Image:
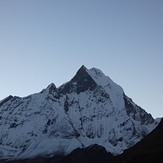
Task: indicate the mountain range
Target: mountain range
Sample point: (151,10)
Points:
(89,109)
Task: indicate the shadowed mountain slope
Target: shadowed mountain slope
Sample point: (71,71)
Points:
(148,150)
(91,154)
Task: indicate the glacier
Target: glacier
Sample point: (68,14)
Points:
(89,109)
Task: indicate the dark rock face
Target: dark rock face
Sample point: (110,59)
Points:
(81,82)
(136,112)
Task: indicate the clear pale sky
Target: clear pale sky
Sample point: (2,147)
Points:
(45,41)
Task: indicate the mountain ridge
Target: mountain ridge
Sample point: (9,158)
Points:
(89,109)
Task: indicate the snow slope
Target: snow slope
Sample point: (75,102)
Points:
(89,109)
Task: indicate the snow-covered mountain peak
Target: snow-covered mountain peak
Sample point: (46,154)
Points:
(51,88)
(90,79)
(89,109)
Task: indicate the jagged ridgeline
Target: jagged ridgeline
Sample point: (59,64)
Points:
(89,109)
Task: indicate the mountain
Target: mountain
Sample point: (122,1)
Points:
(89,109)
(149,149)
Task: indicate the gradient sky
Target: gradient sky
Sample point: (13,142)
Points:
(45,41)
